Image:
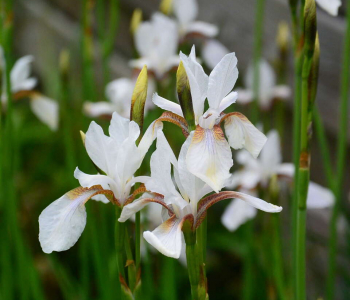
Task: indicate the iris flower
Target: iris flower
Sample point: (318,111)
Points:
(268,89)
(330,6)
(118,157)
(22,85)
(183,197)
(186,12)
(156,42)
(209,156)
(259,172)
(118,92)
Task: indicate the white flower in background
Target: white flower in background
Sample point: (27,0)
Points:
(330,6)
(212,52)
(268,90)
(259,172)
(182,197)
(119,93)
(156,42)
(117,155)
(46,109)
(209,156)
(186,12)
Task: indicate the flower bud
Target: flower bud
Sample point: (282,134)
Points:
(310,27)
(313,77)
(139,97)
(83,137)
(136,20)
(64,61)
(283,37)
(166,6)
(184,95)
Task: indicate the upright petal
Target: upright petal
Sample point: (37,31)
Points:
(237,213)
(20,75)
(267,82)
(271,156)
(222,79)
(330,6)
(46,110)
(185,10)
(120,91)
(101,149)
(198,81)
(121,128)
(63,221)
(149,136)
(202,28)
(192,185)
(319,197)
(167,105)
(241,133)
(209,157)
(212,52)
(167,238)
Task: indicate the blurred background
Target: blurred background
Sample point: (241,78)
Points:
(44,168)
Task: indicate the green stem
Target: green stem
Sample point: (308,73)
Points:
(119,234)
(248,262)
(341,156)
(130,262)
(192,262)
(138,240)
(258,38)
(168,283)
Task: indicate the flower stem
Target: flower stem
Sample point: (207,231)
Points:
(192,262)
(119,234)
(341,156)
(258,34)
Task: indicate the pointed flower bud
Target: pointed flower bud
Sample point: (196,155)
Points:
(83,137)
(184,95)
(138,99)
(310,27)
(283,37)
(313,78)
(166,6)
(136,20)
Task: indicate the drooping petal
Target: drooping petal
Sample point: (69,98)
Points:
(282,92)
(330,6)
(202,28)
(63,221)
(97,109)
(222,79)
(319,197)
(209,157)
(237,213)
(210,200)
(198,81)
(241,133)
(132,208)
(20,75)
(167,105)
(167,238)
(185,11)
(212,52)
(46,110)
(286,169)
